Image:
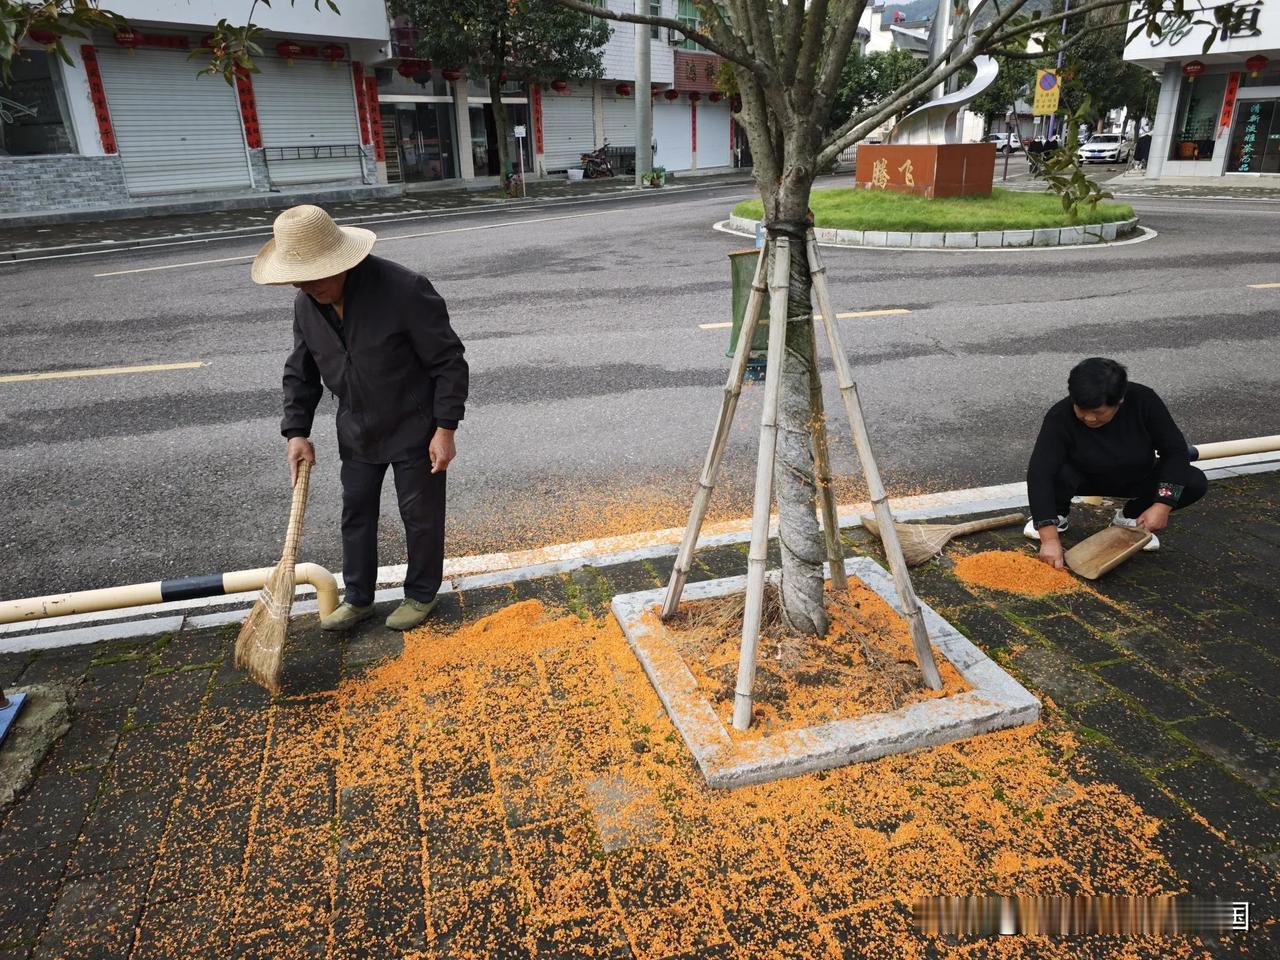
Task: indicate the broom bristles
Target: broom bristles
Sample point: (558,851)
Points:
(922,542)
(260,644)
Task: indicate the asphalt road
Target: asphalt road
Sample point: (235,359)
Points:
(594,389)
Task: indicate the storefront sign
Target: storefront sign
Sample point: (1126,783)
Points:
(1047,92)
(1229,101)
(1250,148)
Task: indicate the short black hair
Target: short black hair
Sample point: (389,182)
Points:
(1097,382)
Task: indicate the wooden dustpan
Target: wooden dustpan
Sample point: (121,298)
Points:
(924,541)
(1105,550)
(260,645)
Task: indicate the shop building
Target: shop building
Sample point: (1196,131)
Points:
(1219,112)
(129,119)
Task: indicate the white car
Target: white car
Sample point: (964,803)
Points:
(1005,142)
(1106,148)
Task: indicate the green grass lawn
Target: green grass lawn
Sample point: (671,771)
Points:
(855,209)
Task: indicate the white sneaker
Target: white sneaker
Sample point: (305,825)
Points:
(1120,520)
(1031,533)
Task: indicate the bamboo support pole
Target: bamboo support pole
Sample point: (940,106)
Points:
(719,439)
(875,488)
(779,282)
(822,467)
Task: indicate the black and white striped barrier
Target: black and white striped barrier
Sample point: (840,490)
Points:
(165,591)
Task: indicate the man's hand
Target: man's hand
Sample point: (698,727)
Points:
(1051,547)
(1155,517)
(300,449)
(442,450)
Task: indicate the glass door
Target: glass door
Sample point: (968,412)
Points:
(1255,138)
(424,135)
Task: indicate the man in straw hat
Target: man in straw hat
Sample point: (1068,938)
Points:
(378,336)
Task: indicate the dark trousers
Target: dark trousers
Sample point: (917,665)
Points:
(421,495)
(1070,482)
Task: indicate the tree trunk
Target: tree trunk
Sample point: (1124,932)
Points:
(499,124)
(803,547)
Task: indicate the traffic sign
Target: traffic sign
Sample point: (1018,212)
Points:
(1048,89)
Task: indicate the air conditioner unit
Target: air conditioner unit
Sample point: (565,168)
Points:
(674,37)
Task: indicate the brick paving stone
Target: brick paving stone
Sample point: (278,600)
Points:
(64,665)
(1090,608)
(1097,763)
(1131,732)
(1232,746)
(487,919)
(12,665)
(1073,638)
(1229,805)
(94,918)
(378,911)
(1166,651)
(1160,697)
(563,865)
(169,696)
(466,844)
(988,630)
(1243,702)
(190,866)
(599,936)
(194,929)
(197,647)
(479,603)
(940,588)
(1054,674)
(124,829)
(629,577)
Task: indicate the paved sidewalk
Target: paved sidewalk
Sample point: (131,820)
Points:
(25,242)
(508,785)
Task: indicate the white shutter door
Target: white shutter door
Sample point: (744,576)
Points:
(673,129)
(620,121)
(176,132)
(713,135)
(568,128)
(310,104)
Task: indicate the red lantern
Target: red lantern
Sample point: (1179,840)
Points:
(451,74)
(694,96)
(46,38)
(715,96)
(128,39)
(333,53)
(288,49)
(1192,69)
(1255,64)
(672,95)
(623,89)
(502,77)
(560,86)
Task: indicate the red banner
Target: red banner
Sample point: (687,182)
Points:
(375,116)
(362,109)
(535,95)
(248,109)
(99,97)
(1229,101)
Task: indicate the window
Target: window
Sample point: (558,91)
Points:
(1198,116)
(655,10)
(688,15)
(1255,138)
(33,109)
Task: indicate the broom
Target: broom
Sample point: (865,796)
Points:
(924,541)
(260,645)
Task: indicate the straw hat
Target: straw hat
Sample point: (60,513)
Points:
(308,245)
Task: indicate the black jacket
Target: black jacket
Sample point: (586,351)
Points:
(1119,453)
(399,374)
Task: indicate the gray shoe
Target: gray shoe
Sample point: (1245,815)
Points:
(410,614)
(345,617)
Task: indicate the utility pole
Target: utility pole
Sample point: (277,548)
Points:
(1053,118)
(644,102)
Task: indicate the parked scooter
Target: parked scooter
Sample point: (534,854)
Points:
(596,164)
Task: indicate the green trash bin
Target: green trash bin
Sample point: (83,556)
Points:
(742,267)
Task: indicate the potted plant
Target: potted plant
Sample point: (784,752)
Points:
(656,177)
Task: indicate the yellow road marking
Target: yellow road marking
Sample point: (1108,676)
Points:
(891,311)
(98,372)
(1264,286)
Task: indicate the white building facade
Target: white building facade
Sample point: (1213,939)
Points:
(1219,112)
(129,118)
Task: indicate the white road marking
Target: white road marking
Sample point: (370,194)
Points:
(99,372)
(406,236)
(890,311)
(1264,286)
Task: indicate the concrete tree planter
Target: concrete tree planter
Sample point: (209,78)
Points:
(995,701)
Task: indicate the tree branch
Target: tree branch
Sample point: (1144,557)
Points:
(836,55)
(738,54)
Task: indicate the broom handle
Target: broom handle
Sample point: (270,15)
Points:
(990,523)
(293,536)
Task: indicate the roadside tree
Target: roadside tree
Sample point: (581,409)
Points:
(788,59)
